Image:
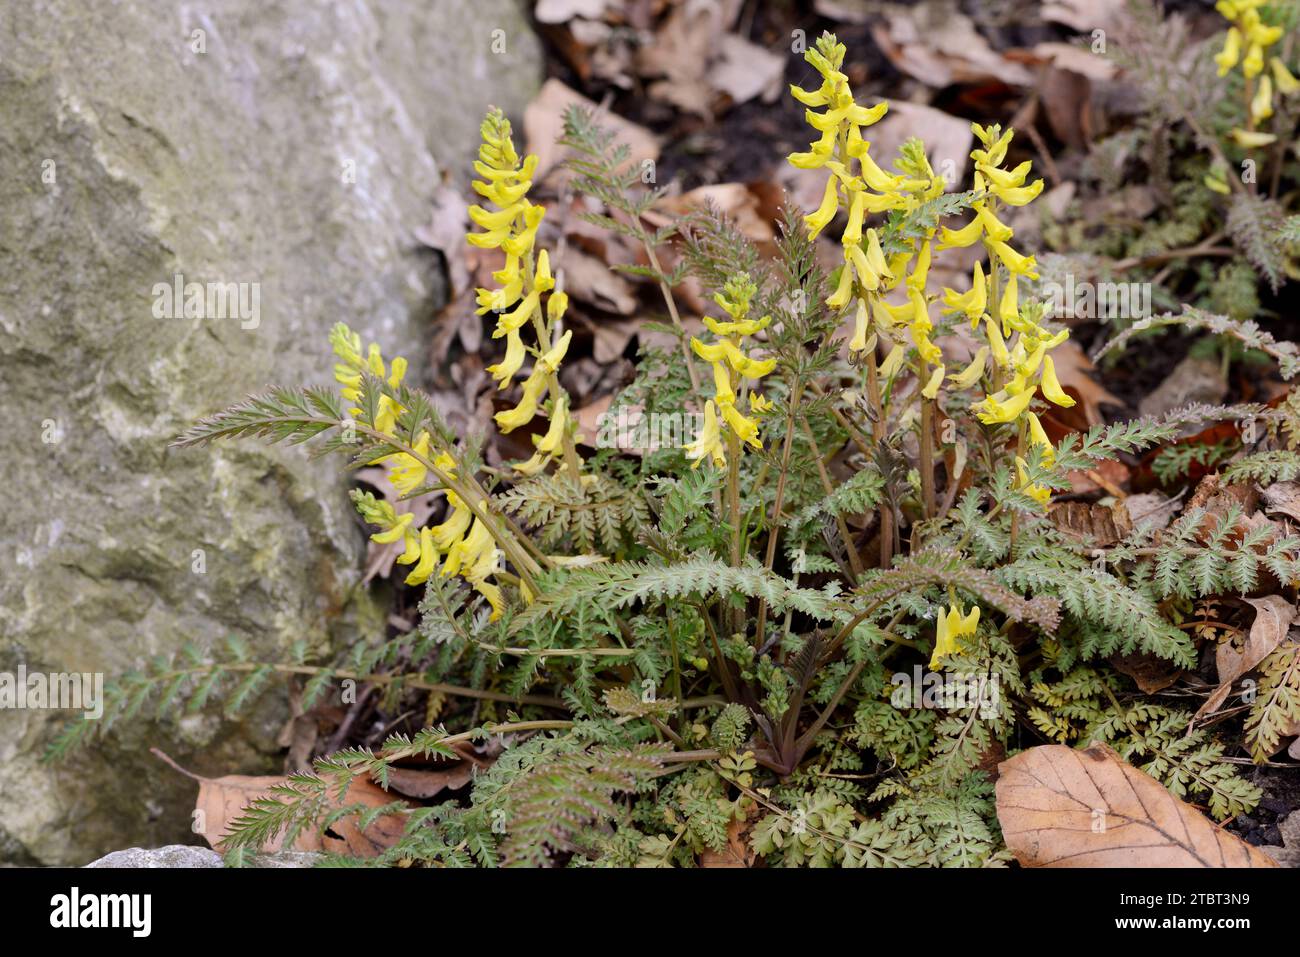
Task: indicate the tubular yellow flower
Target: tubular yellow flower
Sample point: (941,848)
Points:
(1052,390)
(505,370)
(952,626)
(1282,77)
(709,441)
(1004,409)
(893,362)
(523,413)
(1227,57)
(932,387)
(428,559)
(1261,105)
(973,372)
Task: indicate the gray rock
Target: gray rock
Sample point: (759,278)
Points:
(173,855)
(287,145)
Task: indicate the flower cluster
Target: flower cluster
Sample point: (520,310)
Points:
(466,542)
(731,367)
(521,284)
(1025,367)
(1250,33)
(866,189)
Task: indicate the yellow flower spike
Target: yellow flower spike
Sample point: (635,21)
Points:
(818,220)
(504,371)
(893,362)
(509,322)
(1014,261)
(932,387)
(523,413)
(973,372)
(709,441)
(556,306)
(1252,140)
(551,359)
(1005,410)
(1261,105)
(428,559)
(1282,77)
(1052,390)
(861,327)
(395,532)
(1227,57)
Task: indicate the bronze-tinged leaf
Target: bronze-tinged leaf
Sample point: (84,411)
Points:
(1061,807)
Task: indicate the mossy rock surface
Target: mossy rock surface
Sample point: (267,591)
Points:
(293,145)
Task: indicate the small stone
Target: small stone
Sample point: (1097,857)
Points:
(173,855)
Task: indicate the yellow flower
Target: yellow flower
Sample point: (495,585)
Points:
(1261,105)
(972,373)
(932,387)
(1252,140)
(405,471)
(953,625)
(428,559)
(1004,409)
(523,413)
(1039,493)
(1014,261)
(893,362)
(504,371)
(1052,390)
(1227,57)
(1286,83)
(709,441)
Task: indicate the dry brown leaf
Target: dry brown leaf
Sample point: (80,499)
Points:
(589,280)
(562,11)
(1084,15)
(1061,807)
(544,124)
(223,800)
(744,70)
(947,140)
(1150,672)
(1283,498)
(937,44)
(1273,617)
(1099,525)
(739,201)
